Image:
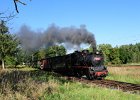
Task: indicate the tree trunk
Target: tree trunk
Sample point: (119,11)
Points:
(3,64)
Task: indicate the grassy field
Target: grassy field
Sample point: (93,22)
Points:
(31,84)
(129,74)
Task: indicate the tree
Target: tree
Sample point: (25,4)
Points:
(19,56)
(8,43)
(114,56)
(105,48)
(135,54)
(55,51)
(41,53)
(130,53)
(124,54)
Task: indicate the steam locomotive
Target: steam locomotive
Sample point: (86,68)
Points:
(78,64)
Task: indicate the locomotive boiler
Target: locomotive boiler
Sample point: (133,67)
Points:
(78,64)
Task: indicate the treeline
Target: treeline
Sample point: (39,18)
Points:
(121,55)
(112,55)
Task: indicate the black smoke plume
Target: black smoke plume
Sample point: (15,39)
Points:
(68,36)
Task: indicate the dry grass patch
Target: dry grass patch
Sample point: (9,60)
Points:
(124,70)
(126,74)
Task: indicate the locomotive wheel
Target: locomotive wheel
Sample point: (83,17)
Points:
(77,73)
(100,78)
(90,77)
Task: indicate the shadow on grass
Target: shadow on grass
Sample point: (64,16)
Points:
(13,77)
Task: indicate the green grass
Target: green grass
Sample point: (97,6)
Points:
(31,84)
(77,91)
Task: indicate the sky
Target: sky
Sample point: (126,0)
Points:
(115,22)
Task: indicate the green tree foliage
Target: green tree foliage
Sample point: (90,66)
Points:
(8,43)
(135,54)
(41,53)
(27,58)
(138,45)
(105,48)
(55,51)
(114,56)
(10,60)
(121,55)
(125,54)
(20,56)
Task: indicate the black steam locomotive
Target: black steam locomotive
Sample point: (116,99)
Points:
(77,64)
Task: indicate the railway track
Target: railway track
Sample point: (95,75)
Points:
(133,88)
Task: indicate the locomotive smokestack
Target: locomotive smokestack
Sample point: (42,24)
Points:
(70,36)
(93,45)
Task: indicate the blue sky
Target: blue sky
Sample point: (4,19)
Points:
(115,22)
